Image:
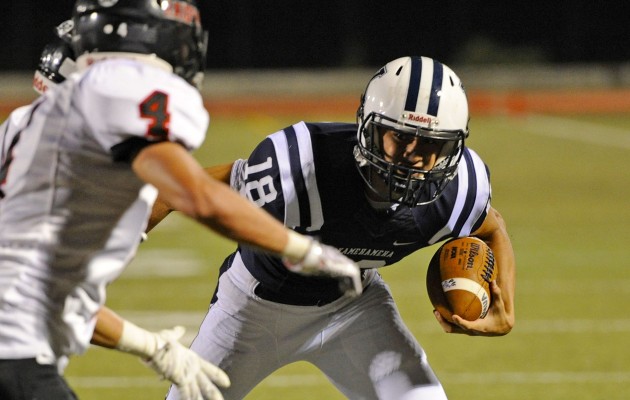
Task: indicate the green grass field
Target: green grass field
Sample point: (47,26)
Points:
(562,184)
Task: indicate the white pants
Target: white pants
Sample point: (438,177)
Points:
(361,345)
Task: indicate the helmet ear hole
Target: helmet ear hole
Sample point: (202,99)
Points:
(360,109)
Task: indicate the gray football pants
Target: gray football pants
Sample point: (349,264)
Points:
(361,345)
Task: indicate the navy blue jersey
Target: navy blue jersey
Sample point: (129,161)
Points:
(306,176)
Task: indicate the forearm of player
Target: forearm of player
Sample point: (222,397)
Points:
(494,232)
(238,219)
(114,332)
(506,279)
(161,209)
(182,183)
(108,328)
(220,172)
(187,187)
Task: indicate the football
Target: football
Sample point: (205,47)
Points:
(459,276)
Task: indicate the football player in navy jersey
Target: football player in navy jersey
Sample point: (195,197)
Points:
(399,180)
(82,168)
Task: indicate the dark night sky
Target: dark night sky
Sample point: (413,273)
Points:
(335,33)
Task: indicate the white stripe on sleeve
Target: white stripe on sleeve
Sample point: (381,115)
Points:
(482,199)
(307,161)
(291,209)
(462,190)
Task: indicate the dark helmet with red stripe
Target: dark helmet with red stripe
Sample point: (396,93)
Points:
(414,99)
(169,29)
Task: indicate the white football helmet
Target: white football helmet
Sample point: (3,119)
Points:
(415,96)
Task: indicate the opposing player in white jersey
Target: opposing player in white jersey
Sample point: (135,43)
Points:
(83,170)
(398,181)
(55,65)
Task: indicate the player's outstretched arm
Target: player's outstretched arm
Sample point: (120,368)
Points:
(184,184)
(161,208)
(162,351)
(501,318)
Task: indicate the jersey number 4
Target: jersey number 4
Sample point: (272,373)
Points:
(155,108)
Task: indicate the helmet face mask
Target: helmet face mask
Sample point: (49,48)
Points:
(411,130)
(56,61)
(169,29)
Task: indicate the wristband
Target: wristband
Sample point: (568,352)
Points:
(297,247)
(138,341)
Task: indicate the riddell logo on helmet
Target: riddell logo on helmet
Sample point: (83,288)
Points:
(183,12)
(422,119)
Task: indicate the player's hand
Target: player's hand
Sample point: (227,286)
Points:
(496,323)
(323,260)
(194,377)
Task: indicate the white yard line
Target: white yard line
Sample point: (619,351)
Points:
(192,319)
(548,377)
(586,132)
(464,378)
(165,263)
(114,382)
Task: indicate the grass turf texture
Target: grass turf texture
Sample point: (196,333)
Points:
(566,205)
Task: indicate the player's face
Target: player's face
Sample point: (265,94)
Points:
(410,151)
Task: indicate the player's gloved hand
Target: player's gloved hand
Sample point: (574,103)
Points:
(194,377)
(323,260)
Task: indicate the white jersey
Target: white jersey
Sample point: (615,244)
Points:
(9,129)
(73,210)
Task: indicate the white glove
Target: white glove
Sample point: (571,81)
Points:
(194,377)
(324,260)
